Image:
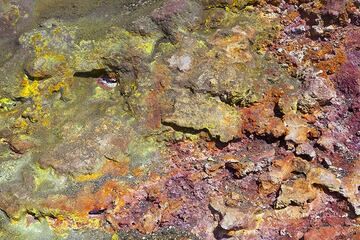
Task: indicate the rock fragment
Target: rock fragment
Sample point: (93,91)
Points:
(298,130)
(350,187)
(182,63)
(212,167)
(21,144)
(46,66)
(233,218)
(298,192)
(307,150)
(283,168)
(241,168)
(326,142)
(324,178)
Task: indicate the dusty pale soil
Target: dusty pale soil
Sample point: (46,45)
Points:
(179,119)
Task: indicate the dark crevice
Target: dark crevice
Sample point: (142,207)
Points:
(330,19)
(268,138)
(23,100)
(185,129)
(96,73)
(336,195)
(164,39)
(220,233)
(298,175)
(296,204)
(305,157)
(34,215)
(5,215)
(277,111)
(114,228)
(97,211)
(219,144)
(320,147)
(277,194)
(325,163)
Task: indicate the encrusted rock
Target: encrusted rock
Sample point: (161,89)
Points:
(241,168)
(283,168)
(350,187)
(225,72)
(326,142)
(321,90)
(46,66)
(297,129)
(21,144)
(306,149)
(324,178)
(202,112)
(233,218)
(212,167)
(298,192)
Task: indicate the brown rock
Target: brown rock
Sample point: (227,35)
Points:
(150,221)
(306,149)
(350,187)
(241,168)
(267,186)
(326,142)
(282,169)
(20,145)
(213,167)
(232,218)
(260,120)
(297,129)
(298,192)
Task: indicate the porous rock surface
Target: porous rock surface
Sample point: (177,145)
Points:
(179,119)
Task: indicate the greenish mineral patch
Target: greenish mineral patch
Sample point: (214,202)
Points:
(201,112)
(6,104)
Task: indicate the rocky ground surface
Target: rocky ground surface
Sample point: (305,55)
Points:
(180,119)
